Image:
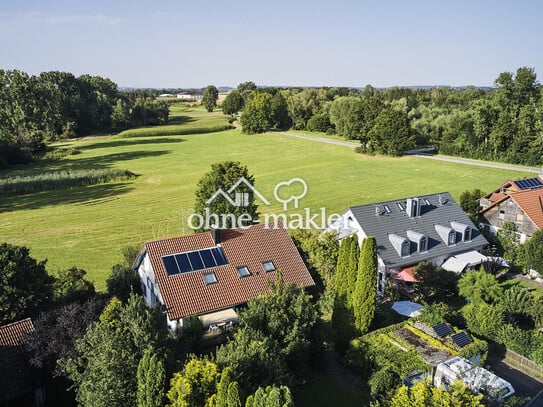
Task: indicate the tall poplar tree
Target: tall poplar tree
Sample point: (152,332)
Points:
(365,290)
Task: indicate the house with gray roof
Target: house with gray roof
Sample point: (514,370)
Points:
(410,230)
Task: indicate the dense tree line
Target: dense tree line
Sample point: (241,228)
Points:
(36,109)
(503,123)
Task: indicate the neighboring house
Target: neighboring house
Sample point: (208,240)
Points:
(519,202)
(410,230)
(19,383)
(209,274)
(189,96)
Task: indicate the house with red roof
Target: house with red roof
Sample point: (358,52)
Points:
(519,202)
(210,274)
(20,383)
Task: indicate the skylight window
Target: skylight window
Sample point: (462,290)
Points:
(210,278)
(400,206)
(243,271)
(268,266)
(386,208)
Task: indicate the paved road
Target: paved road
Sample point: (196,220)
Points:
(456,160)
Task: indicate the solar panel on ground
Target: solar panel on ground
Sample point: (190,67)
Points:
(442,329)
(194,261)
(461,339)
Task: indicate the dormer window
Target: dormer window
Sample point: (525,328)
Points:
(463,229)
(268,266)
(423,244)
(400,244)
(419,239)
(447,234)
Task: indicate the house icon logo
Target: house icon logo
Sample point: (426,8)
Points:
(240,198)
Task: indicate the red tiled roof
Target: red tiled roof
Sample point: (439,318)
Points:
(531,202)
(187,293)
(16,374)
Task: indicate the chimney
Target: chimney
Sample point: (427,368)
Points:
(413,207)
(215,234)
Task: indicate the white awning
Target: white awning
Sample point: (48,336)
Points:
(459,262)
(219,317)
(473,257)
(454,265)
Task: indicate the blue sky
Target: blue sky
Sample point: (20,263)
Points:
(178,43)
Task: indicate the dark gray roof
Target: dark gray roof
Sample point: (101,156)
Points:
(442,210)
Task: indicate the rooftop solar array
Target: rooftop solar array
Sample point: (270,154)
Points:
(461,339)
(442,329)
(529,183)
(194,261)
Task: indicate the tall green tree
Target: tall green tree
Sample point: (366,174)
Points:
(210,97)
(342,314)
(104,371)
(531,253)
(25,287)
(151,380)
(257,114)
(194,385)
(352,269)
(365,291)
(469,202)
(223,176)
(271,396)
(479,286)
(279,112)
(391,134)
(232,103)
(71,285)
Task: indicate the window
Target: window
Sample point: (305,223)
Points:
(405,248)
(149,283)
(467,234)
(452,238)
(243,271)
(501,215)
(210,278)
(520,217)
(427,202)
(400,206)
(143,290)
(386,208)
(423,244)
(268,266)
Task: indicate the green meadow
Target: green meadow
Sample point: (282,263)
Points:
(88,226)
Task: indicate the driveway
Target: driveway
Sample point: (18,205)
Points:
(524,385)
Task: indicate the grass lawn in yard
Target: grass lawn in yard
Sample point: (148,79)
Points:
(88,226)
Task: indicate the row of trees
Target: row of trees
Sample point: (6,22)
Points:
(355,289)
(503,123)
(36,109)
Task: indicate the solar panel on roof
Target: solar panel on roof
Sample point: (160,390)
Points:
(183,262)
(461,339)
(219,256)
(170,265)
(194,261)
(442,329)
(528,183)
